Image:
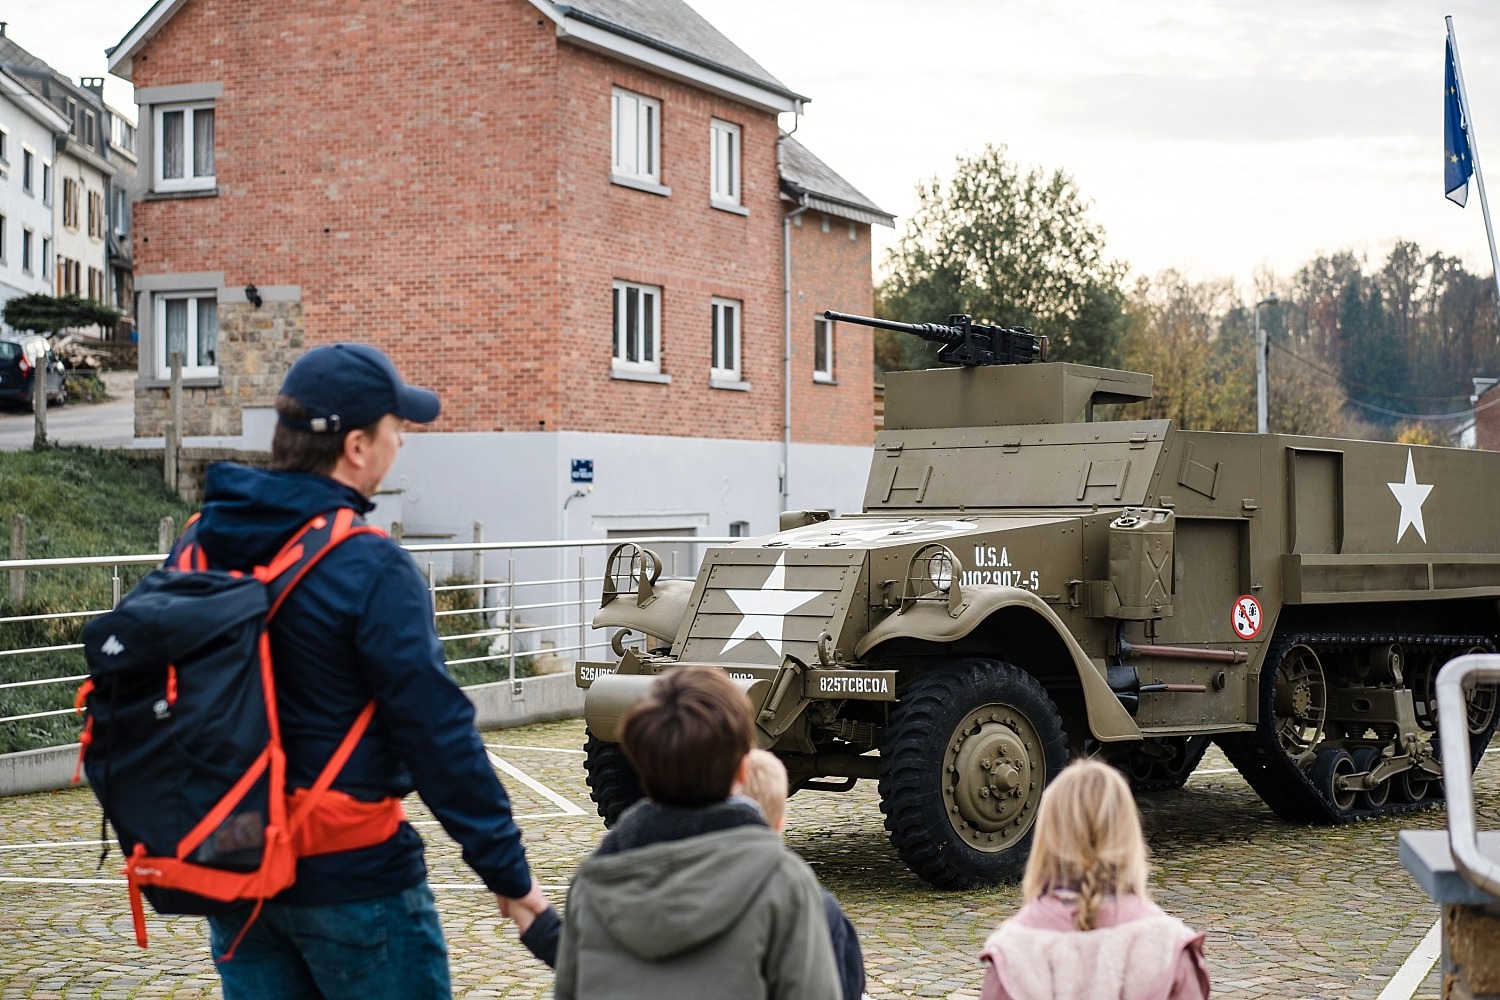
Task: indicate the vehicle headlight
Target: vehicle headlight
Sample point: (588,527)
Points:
(940,570)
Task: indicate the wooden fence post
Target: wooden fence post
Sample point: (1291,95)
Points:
(39,404)
(174,424)
(18,551)
(166,534)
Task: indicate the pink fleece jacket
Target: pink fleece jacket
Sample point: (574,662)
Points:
(1136,952)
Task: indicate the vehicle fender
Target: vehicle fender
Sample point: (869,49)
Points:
(661,617)
(931,621)
(611,696)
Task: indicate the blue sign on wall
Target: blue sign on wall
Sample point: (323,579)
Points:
(583,470)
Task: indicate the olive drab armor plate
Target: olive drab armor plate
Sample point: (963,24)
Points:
(1028,582)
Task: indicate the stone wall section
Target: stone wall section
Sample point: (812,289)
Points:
(256,347)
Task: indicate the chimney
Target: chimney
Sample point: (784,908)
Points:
(93,84)
(2,28)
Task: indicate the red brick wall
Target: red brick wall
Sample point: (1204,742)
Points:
(693,251)
(831,271)
(434,174)
(395,160)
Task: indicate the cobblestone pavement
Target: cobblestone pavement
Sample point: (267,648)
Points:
(1291,912)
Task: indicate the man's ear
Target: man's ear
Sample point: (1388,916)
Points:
(354,447)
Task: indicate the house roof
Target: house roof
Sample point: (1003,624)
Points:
(664,35)
(33,105)
(814,183)
(670,37)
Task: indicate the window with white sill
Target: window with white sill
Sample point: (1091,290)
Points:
(726,346)
(724,163)
(637,137)
(184,147)
(187,322)
(637,315)
(822,350)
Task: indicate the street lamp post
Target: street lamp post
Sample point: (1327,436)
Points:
(1262,416)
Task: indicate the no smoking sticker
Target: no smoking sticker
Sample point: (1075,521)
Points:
(1246,617)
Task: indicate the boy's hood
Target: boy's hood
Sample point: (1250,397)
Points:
(668,898)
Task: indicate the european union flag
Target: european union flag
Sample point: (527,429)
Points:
(1458,163)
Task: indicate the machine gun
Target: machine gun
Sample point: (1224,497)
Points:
(965,342)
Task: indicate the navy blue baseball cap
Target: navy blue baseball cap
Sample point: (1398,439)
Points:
(344,386)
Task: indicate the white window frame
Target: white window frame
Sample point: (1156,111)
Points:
(4,147)
(47,269)
(724,163)
(120,217)
(189,181)
(190,367)
(28,164)
(645,338)
(823,335)
(727,325)
(28,241)
(635,122)
(47,182)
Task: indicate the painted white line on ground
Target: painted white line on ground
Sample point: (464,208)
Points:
(1414,970)
(55,843)
(117,881)
(1211,771)
(535,786)
(516,816)
(516,746)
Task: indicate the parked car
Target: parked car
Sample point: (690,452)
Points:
(21,354)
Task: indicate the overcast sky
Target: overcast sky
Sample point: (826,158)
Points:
(1223,138)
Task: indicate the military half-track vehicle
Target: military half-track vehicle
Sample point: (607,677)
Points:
(1027,584)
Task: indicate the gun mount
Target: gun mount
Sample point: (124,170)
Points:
(965,342)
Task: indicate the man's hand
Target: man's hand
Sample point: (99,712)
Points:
(525,909)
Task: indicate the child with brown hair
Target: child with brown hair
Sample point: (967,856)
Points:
(766,784)
(1088,929)
(691,895)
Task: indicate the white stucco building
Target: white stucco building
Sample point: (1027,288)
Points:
(29,130)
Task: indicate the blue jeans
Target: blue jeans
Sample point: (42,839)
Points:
(391,947)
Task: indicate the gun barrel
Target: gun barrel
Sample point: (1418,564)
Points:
(927,331)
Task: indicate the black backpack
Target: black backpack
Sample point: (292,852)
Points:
(182,743)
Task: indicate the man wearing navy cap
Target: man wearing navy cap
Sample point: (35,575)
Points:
(360,922)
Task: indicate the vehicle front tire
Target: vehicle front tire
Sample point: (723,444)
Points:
(612,782)
(970,747)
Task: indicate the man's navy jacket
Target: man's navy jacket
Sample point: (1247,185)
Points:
(359,627)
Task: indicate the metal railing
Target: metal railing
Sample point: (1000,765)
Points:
(1452,704)
(535,599)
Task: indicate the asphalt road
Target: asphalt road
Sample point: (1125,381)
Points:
(99,425)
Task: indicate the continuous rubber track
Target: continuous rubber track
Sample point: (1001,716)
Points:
(1285,787)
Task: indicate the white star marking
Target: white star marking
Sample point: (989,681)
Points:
(765,610)
(1410,494)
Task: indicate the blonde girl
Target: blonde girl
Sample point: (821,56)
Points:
(1088,929)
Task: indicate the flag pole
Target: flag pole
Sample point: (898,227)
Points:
(1484,202)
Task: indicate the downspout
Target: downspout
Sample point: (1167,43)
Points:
(786,355)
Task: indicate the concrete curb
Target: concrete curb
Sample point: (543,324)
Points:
(496,706)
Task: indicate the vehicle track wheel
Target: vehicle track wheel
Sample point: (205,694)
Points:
(1412,785)
(1168,768)
(1300,701)
(969,749)
(612,781)
(1367,759)
(1331,764)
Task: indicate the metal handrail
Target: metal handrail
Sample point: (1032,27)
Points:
(1463,837)
(510,629)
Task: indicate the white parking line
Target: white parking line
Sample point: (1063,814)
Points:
(1414,970)
(535,786)
(516,746)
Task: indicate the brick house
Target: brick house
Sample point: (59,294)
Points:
(575,222)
